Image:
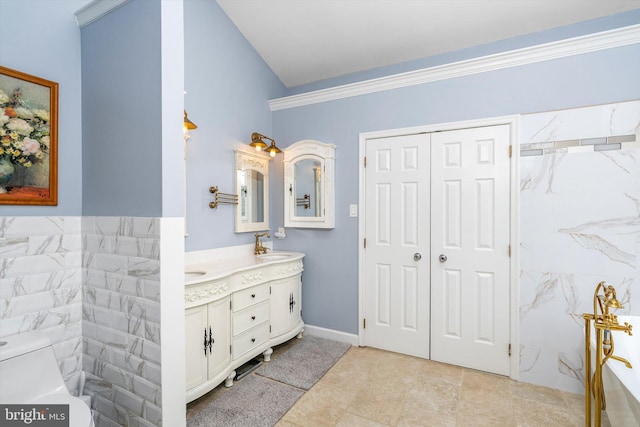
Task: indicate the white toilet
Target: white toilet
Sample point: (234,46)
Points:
(30,375)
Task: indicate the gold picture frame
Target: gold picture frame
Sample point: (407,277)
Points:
(28,139)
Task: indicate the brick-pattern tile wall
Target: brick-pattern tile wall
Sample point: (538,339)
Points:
(121,319)
(41,285)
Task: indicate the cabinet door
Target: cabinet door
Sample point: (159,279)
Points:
(220,323)
(285,305)
(296,313)
(196,326)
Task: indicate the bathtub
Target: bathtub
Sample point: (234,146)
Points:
(621,384)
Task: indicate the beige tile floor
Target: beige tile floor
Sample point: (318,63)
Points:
(376,388)
(370,387)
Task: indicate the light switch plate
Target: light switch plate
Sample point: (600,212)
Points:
(353,210)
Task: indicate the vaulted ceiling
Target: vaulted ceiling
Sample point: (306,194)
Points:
(310,40)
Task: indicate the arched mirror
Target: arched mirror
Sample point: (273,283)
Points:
(252,188)
(309,184)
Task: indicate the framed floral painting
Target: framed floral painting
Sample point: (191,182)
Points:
(28,139)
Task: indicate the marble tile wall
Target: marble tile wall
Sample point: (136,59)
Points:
(121,319)
(579,224)
(41,285)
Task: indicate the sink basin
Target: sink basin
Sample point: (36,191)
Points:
(273,256)
(188,275)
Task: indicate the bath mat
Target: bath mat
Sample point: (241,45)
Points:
(305,363)
(253,402)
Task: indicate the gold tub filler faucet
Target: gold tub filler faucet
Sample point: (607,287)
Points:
(259,249)
(604,322)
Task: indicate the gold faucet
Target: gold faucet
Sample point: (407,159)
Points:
(259,249)
(603,323)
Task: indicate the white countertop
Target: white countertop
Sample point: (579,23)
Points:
(215,269)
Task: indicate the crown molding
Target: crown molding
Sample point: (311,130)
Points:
(96,10)
(544,52)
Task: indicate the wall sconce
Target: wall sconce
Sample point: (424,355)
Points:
(188,125)
(258,143)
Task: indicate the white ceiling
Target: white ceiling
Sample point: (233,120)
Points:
(309,40)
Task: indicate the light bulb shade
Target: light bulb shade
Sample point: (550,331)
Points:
(188,124)
(257,142)
(258,145)
(272,149)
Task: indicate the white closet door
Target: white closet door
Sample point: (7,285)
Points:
(397,224)
(470,248)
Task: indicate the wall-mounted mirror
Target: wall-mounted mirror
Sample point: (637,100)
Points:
(252,188)
(309,185)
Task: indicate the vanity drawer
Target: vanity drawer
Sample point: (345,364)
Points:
(250,296)
(250,317)
(250,339)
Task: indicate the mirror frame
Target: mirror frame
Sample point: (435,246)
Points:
(259,162)
(326,154)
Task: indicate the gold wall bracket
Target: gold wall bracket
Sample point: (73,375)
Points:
(222,198)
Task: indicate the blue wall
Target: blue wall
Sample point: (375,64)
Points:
(228,85)
(122,102)
(330,297)
(42,38)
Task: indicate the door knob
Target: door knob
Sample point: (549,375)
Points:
(442,258)
(417,256)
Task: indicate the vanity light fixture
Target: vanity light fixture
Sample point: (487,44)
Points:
(258,143)
(188,125)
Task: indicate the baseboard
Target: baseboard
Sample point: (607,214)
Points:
(331,334)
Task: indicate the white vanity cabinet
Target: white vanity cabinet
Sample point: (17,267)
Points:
(250,312)
(207,341)
(286,309)
(234,315)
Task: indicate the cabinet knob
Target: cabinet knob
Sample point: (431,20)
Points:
(253,340)
(253,317)
(253,295)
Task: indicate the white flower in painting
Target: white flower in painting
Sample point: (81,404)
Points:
(43,114)
(30,146)
(24,113)
(3,97)
(20,126)
(3,118)
(45,141)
